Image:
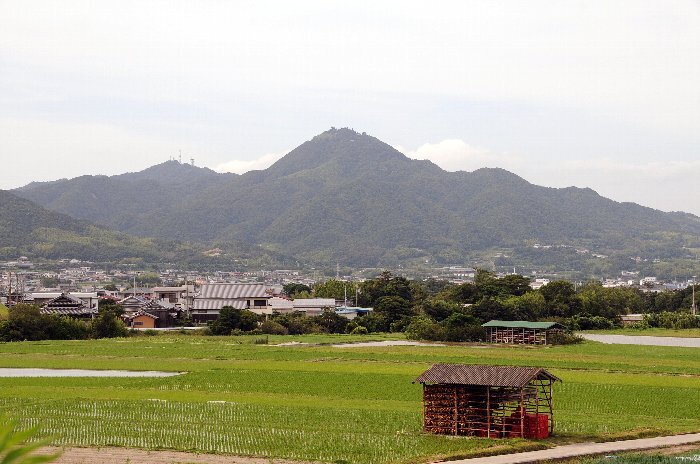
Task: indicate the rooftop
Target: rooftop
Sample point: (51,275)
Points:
(522,324)
(498,376)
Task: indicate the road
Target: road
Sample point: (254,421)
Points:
(583,449)
(643,340)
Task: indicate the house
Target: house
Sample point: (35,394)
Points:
(143,320)
(68,305)
(313,306)
(281,305)
(487,401)
(89,299)
(154,314)
(182,295)
(213,297)
(132,304)
(520,332)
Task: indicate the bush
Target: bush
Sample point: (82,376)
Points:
(150,332)
(25,322)
(359,330)
(564,338)
(67,328)
(424,328)
(670,320)
(587,322)
(466,333)
(373,322)
(273,328)
(231,319)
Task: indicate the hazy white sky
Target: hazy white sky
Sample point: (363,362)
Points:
(600,94)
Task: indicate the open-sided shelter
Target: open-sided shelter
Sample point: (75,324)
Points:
(521,332)
(487,401)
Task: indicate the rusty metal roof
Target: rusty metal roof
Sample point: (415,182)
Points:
(497,376)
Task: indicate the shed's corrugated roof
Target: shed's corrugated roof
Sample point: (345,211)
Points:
(210,304)
(231,291)
(497,376)
(521,324)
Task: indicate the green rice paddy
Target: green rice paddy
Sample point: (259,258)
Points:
(321,403)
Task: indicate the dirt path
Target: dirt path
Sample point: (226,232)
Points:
(584,449)
(109,455)
(643,340)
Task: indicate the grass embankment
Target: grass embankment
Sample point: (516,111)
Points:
(650,332)
(317,402)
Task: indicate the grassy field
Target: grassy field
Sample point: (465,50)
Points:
(317,402)
(651,332)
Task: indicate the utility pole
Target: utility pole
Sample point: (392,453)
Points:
(693,306)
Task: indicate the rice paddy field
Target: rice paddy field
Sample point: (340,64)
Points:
(316,402)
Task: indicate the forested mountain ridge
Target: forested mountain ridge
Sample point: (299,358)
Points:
(28,229)
(345,196)
(31,230)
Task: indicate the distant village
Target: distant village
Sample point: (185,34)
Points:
(76,289)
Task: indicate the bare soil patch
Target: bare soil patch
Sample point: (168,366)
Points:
(109,455)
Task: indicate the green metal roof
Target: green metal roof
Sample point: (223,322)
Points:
(521,324)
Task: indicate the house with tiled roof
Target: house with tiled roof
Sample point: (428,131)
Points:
(68,305)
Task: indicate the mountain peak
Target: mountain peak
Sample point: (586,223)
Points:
(171,169)
(344,146)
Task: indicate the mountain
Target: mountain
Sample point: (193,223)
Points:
(349,197)
(29,229)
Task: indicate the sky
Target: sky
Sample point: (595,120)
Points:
(599,94)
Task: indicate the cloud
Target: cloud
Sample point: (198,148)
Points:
(457,155)
(243,166)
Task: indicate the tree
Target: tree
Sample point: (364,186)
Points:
(514,284)
(393,309)
(292,289)
(560,299)
(111,306)
(231,319)
(335,289)
(491,308)
(25,322)
(330,321)
(371,291)
(108,325)
(438,309)
(529,306)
